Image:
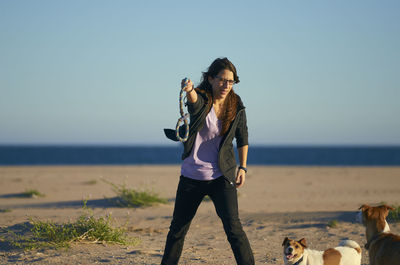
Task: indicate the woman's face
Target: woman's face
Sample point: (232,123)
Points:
(222,84)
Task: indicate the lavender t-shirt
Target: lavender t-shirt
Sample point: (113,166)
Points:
(202,164)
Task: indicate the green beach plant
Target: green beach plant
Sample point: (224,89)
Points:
(135,198)
(394,215)
(32,194)
(206,198)
(87,228)
(90,182)
(333,224)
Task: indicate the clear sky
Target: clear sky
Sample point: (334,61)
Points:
(108,72)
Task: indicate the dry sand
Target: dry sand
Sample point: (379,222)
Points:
(274,203)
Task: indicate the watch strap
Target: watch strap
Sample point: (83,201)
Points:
(245,169)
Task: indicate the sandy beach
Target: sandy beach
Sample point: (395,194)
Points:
(275,202)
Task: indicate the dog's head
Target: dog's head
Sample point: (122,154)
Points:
(293,250)
(374,219)
(375,216)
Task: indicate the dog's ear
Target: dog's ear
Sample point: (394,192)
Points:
(285,240)
(364,207)
(387,207)
(303,242)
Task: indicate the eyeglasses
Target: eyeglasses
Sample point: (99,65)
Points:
(225,81)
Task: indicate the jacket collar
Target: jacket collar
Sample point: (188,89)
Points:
(240,105)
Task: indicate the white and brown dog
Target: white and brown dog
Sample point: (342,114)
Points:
(383,247)
(296,253)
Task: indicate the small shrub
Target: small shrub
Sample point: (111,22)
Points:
(32,194)
(5,210)
(394,215)
(332,224)
(87,228)
(90,182)
(207,198)
(133,198)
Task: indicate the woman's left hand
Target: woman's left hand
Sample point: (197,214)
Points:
(240,178)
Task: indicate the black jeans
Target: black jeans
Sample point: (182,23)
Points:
(189,195)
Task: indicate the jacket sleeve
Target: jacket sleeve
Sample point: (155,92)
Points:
(195,107)
(241,133)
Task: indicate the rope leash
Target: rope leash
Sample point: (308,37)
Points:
(184,117)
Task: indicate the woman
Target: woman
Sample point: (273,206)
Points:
(217,115)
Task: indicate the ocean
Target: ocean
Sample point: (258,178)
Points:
(152,155)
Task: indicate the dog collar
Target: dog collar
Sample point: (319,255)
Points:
(299,261)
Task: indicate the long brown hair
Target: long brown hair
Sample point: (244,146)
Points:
(230,103)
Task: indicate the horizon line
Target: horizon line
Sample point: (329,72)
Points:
(299,145)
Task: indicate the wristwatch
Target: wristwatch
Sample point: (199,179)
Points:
(245,169)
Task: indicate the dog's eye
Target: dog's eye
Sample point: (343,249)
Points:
(296,246)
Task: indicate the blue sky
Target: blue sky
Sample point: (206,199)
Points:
(108,72)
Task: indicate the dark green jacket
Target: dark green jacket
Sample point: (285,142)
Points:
(238,129)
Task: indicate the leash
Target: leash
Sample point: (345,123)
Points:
(184,117)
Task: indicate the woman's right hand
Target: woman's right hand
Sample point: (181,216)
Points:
(187,85)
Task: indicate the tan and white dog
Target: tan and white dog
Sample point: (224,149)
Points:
(296,253)
(383,246)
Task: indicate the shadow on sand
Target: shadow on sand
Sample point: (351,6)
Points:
(302,219)
(98,203)
(14,233)
(15,195)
